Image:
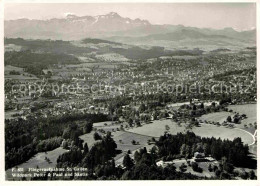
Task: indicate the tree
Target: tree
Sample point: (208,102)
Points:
(137,122)
(224,176)
(183,167)
(128,162)
(130,122)
(142,107)
(109,133)
(252,175)
(85,149)
(196,167)
(183,150)
(196,123)
(97,136)
(137,156)
(210,168)
(244,175)
(217,172)
(133,142)
(88,127)
(229,119)
(64,144)
(236,120)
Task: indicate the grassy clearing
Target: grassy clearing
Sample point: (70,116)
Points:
(124,140)
(88,138)
(39,160)
(248,109)
(9,68)
(103,124)
(203,165)
(157,128)
(124,143)
(23,75)
(216,117)
(112,57)
(8,114)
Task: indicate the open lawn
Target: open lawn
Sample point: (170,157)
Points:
(124,140)
(203,165)
(39,160)
(88,138)
(248,109)
(216,117)
(157,128)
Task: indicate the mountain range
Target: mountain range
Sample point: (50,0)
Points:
(115,28)
(71,27)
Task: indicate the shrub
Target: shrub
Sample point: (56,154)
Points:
(196,167)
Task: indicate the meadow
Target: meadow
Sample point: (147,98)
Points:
(248,109)
(157,128)
(39,160)
(216,116)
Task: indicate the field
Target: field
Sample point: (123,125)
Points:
(124,140)
(157,128)
(248,109)
(88,138)
(23,75)
(124,143)
(8,114)
(39,160)
(216,117)
(9,68)
(111,57)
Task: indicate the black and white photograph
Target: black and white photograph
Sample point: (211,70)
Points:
(129,91)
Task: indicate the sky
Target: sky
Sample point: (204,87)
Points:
(240,16)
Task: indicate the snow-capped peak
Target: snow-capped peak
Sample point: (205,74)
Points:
(113,14)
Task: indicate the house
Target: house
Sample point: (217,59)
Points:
(198,156)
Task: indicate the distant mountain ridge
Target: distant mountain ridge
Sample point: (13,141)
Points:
(115,28)
(71,27)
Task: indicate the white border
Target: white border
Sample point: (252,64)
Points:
(114,183)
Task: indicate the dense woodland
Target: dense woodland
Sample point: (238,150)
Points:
(101,166)
(34,63)
(24,138)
